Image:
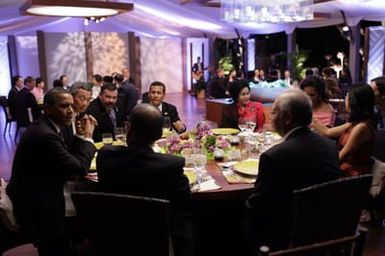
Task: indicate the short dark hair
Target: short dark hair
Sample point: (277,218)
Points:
(361,101)
(158,83)
(57,83)
(62,77)
(15,79)
(119,78)
(79,85)
(380,82)
(236,88)
(108,86)
(309,72)
(52,96)
(318,84)
(98,78)
(146,123)
(38,80)
(108,79)
(29,79)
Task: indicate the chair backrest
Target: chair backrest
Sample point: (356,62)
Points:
(5,106)
(350,245)
(123,224)
(329,210)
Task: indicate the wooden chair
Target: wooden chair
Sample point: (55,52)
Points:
(350,245)
(329,213)
(122,224)
(7,114)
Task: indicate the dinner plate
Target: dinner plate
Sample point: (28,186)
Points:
(191,176)
(248,167)
(99,145)
(224,131)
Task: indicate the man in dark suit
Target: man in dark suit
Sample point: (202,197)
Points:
(40,168)
(156,95)
(217,85)
(105,111)
(303,159)
(127,96)
(138,170)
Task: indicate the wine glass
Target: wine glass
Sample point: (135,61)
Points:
(107,138)
(242,124)
(166,125)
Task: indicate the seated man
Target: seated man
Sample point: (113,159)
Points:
(156,95)
(105,111)
(303,159)
(138,170)
(41,166)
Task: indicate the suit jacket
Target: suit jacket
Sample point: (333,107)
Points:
(304,159)
(127,99)
(19,103)
(105,124)
(138,170)
(171,111)
(40,168)
(217,88)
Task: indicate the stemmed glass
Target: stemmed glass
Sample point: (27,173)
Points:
(242,124)
(200,160)
(166,125)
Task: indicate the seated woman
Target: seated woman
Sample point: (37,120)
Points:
(322,110)
(356,142)
(242,107)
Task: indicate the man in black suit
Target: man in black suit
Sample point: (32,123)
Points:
(217,85)
(127,96)
(40,168)
(22,102)
(156,95)
(138,170)
(105,111)
(303,159)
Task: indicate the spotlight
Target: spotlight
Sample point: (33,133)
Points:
(345,28)
(86,21)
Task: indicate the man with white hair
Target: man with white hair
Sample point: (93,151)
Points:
(304,158)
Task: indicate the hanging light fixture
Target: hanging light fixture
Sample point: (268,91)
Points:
(74,8)
(271,11)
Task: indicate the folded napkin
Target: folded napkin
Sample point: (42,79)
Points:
(208,185)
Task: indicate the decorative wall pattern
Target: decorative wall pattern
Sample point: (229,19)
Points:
(110,51)
(162,61)
(65,54)
(376,52)
(5,83)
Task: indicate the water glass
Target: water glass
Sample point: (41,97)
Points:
(120,135)
(107,138)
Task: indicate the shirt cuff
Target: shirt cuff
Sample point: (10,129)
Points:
(85,139)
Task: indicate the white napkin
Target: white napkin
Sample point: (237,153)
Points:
(208,185)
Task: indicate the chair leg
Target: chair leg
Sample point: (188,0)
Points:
(5,128)
(17,132)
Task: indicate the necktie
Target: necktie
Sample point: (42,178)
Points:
(112,117)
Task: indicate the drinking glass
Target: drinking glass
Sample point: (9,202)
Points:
(242,124)
(107,138)
(166,124)
(120,135)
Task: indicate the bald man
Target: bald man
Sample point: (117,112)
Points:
(303,159)
(138,170)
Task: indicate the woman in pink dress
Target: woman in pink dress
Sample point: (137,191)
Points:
(38,90)
(322,110)
(356,137)
(242,108)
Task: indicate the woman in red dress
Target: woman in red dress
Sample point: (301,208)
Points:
(242,107)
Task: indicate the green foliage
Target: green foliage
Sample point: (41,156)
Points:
(210,141)
(226,64)
(298,59)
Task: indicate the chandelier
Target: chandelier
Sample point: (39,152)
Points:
(271,11)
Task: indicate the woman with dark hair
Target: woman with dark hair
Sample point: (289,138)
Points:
(356,142)
(314,87)
(38,90)
(242,107)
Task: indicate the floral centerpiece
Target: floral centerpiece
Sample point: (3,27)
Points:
(200,138)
